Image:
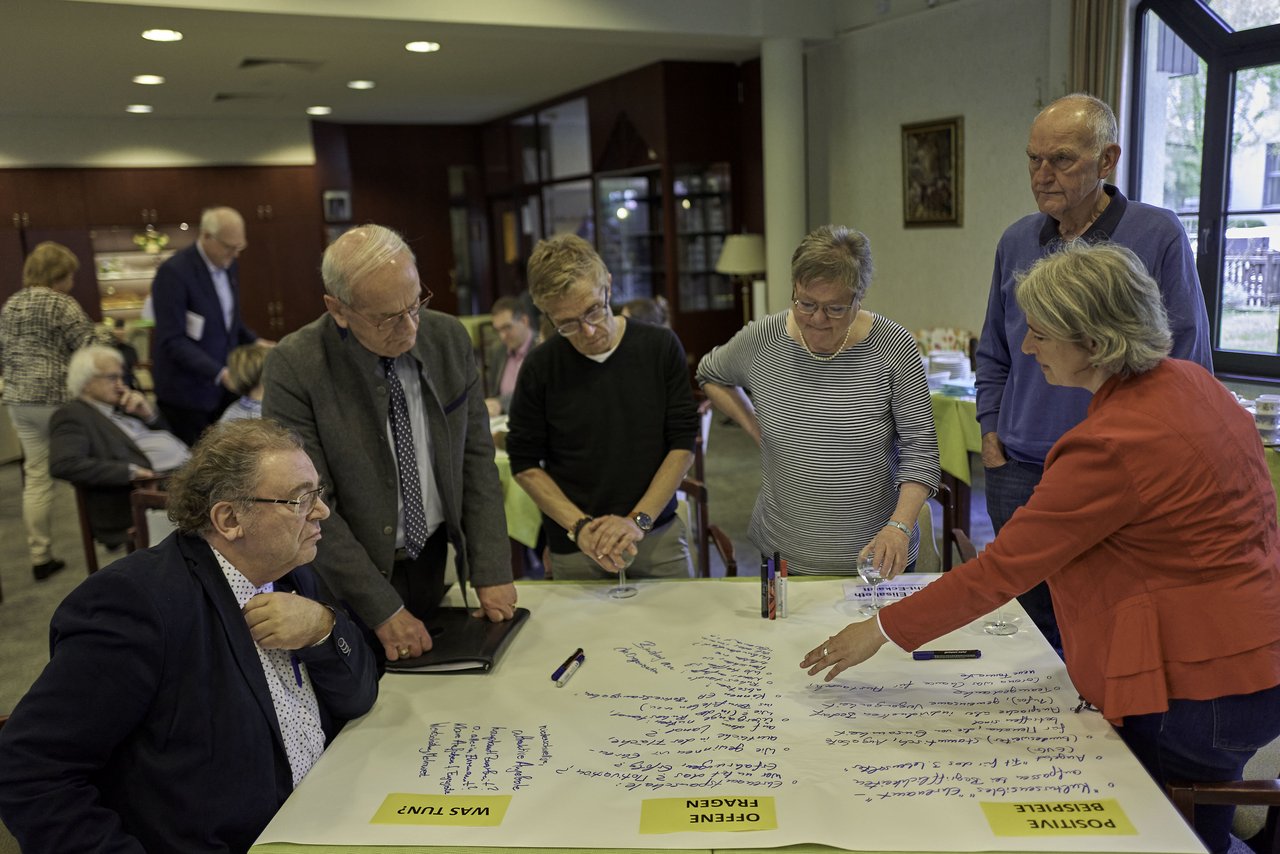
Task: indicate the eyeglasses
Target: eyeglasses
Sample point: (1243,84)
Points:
(237,248)
(302,505)
(595,316)
(387,321)
(111,378)
(833,312)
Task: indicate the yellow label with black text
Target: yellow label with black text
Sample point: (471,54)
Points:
(442,810)
(1058,818)
(675,815)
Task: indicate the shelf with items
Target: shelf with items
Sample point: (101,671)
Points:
(126,259)
(704,214)
(630,231)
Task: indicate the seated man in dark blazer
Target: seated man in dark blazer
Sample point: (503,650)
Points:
(189,688)
(106,438)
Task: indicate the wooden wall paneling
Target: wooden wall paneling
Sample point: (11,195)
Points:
(702,115)
(11,258)
(49,198)
(166,196)
(400,179)
(748,178)
(628,120)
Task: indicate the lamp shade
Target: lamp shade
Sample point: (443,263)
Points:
(741,255)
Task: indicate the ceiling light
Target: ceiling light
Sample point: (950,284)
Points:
(319,111)
(361,84)
(422,47)
(148,79)
(162,35)
(138,108)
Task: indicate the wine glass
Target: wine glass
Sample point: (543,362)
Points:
(871,575)
(623,590)
(999,624)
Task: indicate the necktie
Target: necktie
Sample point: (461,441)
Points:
(415,518)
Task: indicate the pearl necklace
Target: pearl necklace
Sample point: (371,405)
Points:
(814,355)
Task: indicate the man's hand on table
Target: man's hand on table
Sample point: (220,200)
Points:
(497,602)
(403,636)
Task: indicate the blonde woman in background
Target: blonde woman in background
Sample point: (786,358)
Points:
(244,372)
(40,327)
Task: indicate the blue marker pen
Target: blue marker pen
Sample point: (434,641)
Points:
(555,677)
(573,668)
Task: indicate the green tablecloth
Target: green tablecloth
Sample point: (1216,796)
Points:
(956,420)
(1273,463)
(523,517)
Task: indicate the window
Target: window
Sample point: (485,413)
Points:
(1207,146)
(1271,177)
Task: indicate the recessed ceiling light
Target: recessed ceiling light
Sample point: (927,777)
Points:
(148,79)
(138,108)
(162,35)
(361,84)
(422,47)
(319,111)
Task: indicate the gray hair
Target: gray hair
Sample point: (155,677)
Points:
(1099,118)
(212,220)
(224,466)
(558,263)
(836,254)
(357,254)
(1100,295)
(84,365)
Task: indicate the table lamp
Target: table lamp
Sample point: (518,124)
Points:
(742,257)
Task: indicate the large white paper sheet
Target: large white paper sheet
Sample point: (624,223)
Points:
(687,693)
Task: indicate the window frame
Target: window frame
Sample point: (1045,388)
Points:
(1224,52)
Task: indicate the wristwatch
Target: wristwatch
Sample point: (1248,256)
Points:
(643,521)
(573,532)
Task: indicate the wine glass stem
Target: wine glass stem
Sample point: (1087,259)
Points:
(622,577)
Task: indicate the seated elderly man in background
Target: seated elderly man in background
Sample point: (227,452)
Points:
(602,425)
(192,685)
(106,438)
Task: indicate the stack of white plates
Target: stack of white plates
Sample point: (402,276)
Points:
(1266,415)
(952,362)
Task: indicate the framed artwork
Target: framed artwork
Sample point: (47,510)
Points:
(337,206)
(933,173)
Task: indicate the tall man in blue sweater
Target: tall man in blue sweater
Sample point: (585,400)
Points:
(1071,152)
(602,425)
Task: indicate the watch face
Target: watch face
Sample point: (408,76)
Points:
(643,521)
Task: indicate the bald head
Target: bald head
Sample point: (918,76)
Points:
(222,235)
(1093,119)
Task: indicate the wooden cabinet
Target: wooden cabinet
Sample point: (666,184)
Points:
(41,198)
(131,197)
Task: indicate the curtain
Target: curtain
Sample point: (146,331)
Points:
(1098,39)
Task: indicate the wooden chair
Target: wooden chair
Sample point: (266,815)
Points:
(141,500)
(703,535)
(86,529)
(964,545)
(1240,793)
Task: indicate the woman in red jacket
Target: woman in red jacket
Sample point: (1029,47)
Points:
(1154,525)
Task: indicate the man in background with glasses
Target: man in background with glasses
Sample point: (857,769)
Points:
(196,301)
(107,437)
(1072,151)
(191,686)
(602,425)
(389,404)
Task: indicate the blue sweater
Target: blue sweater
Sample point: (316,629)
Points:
(1014,400)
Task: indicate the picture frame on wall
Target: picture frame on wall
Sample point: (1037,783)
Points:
(933,173)
(337,205)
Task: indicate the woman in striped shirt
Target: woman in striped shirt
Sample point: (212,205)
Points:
(839,406)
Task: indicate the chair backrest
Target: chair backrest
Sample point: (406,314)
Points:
(705,413)
(86,531)
(703,535)
(1186,796)
(141,500)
